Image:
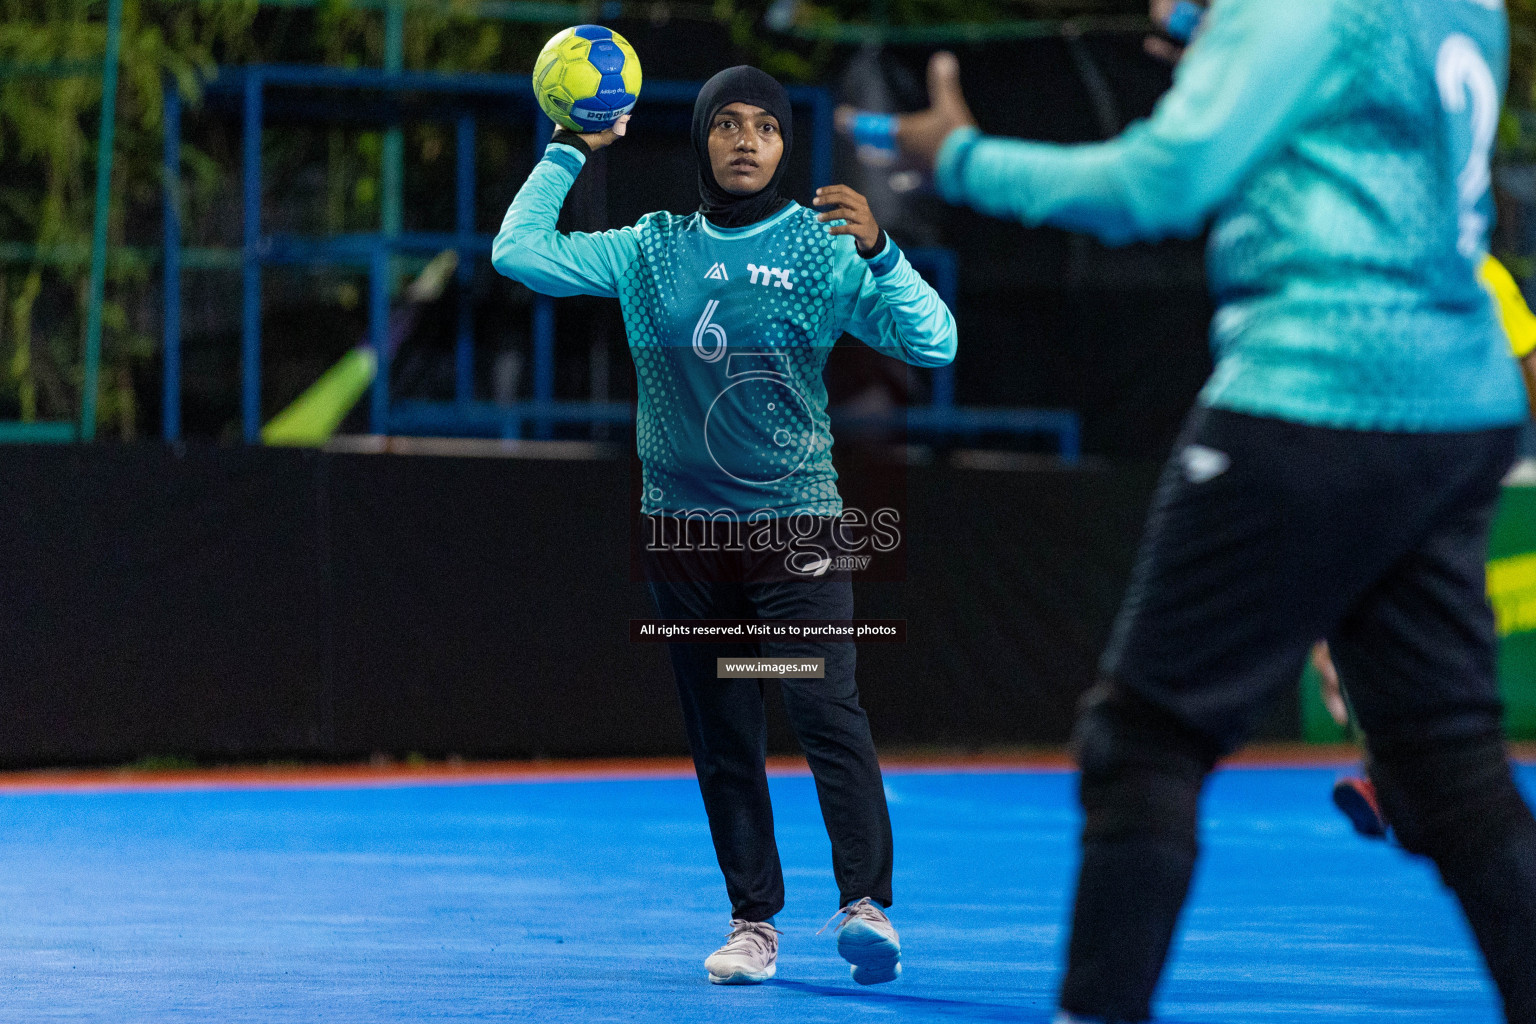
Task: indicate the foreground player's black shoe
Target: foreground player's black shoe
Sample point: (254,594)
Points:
(1357,799)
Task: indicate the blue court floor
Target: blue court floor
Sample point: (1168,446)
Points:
(597,901)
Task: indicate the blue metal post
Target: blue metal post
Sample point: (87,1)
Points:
(543,326)
(170,267)
(543,357)
(946,283)
(944,387)
(543,128)
(250,320)
(1071,442)
(378,332)
(464,224)
(821,139)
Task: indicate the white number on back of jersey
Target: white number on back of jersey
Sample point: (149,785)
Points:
(1467,86)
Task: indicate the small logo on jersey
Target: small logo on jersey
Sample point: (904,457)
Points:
(717,273)
(1202,464)
(773,277)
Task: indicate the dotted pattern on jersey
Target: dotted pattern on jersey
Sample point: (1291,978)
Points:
(1323,260)
(738,423)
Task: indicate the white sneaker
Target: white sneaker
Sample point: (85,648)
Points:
(867,940)
(749,957)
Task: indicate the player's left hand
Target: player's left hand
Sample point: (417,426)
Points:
(920,136)
(844,204)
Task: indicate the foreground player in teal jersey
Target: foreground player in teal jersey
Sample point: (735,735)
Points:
(1339,474)
(731,312)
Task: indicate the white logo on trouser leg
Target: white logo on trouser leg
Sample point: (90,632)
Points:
(1202,464)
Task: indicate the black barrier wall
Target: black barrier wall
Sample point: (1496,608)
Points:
(223,604)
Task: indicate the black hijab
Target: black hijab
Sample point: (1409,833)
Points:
(744,84)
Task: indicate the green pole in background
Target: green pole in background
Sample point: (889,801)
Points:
(103,216)
(393,171)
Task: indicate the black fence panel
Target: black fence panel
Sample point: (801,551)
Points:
(241,604)
(154,602)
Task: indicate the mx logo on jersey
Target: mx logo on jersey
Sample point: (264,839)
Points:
(773,277)
(717,273)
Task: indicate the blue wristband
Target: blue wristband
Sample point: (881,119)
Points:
(1185,20)
(884,261)
(877,131)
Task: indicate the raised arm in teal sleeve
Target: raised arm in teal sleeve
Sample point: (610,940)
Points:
(898,313)
(529,249)
(1260,68)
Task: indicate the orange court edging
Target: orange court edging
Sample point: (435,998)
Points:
(374,775)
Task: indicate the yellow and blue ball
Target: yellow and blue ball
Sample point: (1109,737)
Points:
(586,78)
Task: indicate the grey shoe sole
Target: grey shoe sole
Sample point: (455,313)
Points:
(744,977)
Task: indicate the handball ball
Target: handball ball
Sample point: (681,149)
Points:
(586,78)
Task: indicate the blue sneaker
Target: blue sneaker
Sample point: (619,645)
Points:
(868,941)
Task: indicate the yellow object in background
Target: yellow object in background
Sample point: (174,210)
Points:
(314,416)
(1519,322)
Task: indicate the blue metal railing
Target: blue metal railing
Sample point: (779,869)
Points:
(454,98)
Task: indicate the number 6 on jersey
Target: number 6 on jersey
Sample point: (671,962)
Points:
(707,329)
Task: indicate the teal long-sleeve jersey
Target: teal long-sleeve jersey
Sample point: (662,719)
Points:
(729,330)
(1341,149)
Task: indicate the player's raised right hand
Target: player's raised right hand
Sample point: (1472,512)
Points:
(607,137)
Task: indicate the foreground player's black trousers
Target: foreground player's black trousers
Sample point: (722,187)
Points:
(1265,537)
(727,730)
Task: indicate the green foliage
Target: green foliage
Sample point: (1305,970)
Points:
(787,57)
(50,102)
(48,128)
(1516,138)
(49,125)
(1522,37)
